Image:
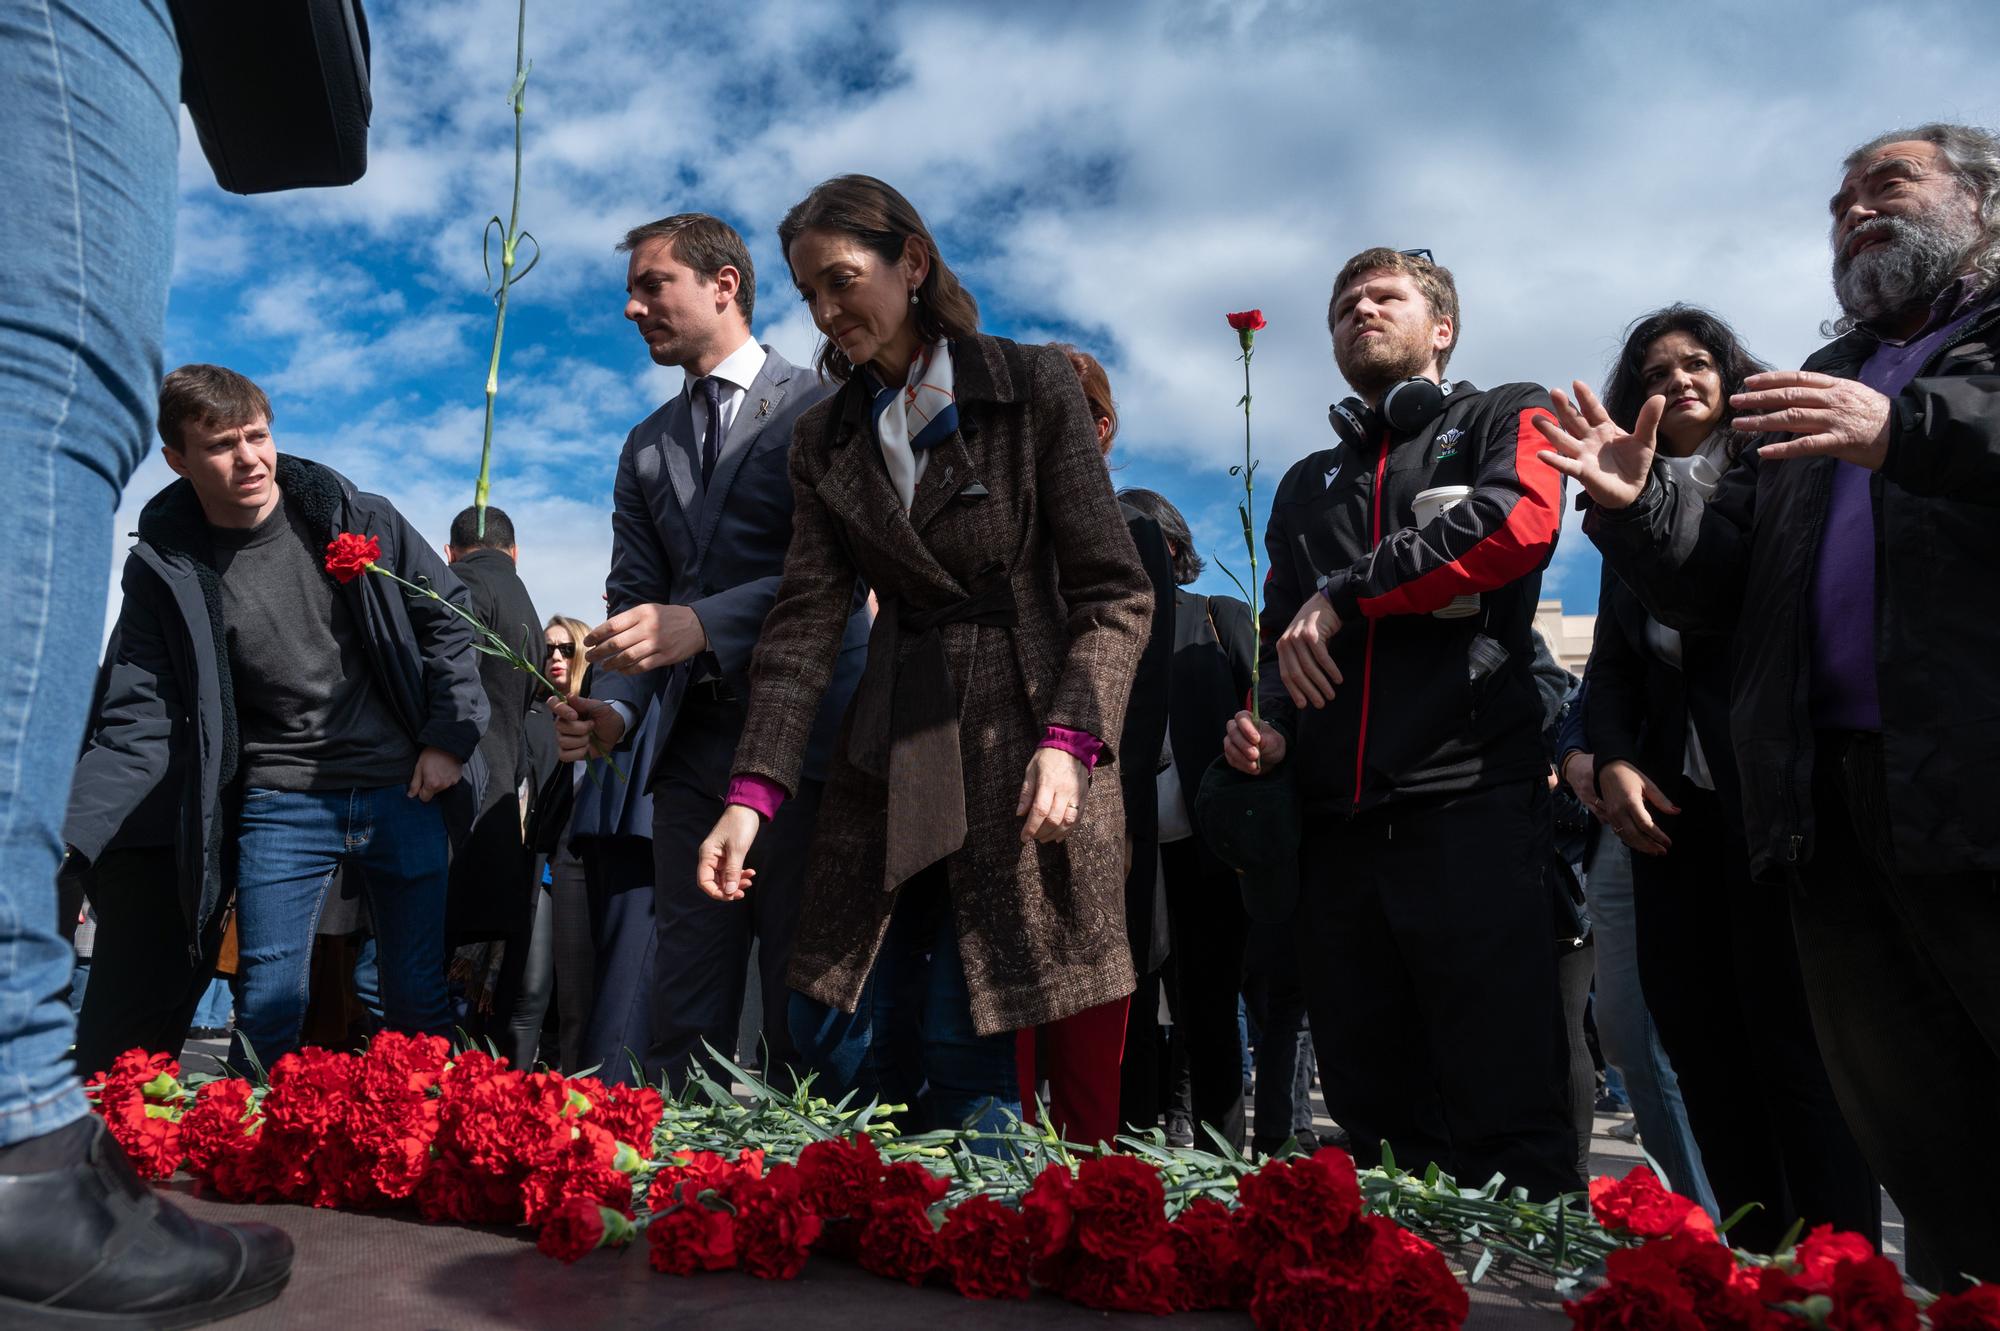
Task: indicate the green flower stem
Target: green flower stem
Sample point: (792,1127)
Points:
(492,644)
(1249,536)
(510,239)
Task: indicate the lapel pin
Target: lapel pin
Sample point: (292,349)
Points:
(763,407)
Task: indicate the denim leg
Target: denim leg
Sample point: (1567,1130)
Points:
(89,148)
(858,1052)
(1625,1030)
(402,844)
(215,1005)
(288,845)
(974,1080)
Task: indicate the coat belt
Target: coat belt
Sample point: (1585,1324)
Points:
(905,722)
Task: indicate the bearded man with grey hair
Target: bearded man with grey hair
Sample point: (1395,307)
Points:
(1855,554)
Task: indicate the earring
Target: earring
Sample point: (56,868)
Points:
(913,298)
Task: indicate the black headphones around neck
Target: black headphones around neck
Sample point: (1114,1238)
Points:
(1403,411)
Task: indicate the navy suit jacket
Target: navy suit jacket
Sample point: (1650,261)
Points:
(719,550)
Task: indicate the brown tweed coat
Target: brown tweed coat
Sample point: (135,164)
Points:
(1041,927)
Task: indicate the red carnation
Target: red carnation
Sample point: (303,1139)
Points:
(839,1176)
(1120,1206)
(691,1238)
(775,1227)
(899,1241)
(1215,1271)
(1977,1309)
(348,556)
(631,1114)
(1304,1210)
(1246,321)
(1683,1281)
(1414,1288)
(1310,1298)
(1046,1213)
(1145,1282)
(1868,1296)
(217,1125)
(984,1246)
(908,1179)
(572,1230)
(1639,1205)
(1823,1252)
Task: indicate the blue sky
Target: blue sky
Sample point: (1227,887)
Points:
(1117,175)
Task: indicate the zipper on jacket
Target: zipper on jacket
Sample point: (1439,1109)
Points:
(1368,651)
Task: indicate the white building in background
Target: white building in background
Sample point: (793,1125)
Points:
(1568,636)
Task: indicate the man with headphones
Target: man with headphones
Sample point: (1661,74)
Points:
(1397,694)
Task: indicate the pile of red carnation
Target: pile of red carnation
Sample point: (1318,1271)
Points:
(1680,1275)
(1296,1253)
(468,1139)
(404,1123)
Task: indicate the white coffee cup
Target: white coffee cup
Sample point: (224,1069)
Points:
(1427,506)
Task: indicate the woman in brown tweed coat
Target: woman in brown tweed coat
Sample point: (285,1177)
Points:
(960,822)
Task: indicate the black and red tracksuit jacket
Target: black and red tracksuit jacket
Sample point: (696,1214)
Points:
(1430,706)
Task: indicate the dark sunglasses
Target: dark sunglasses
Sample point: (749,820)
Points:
(1425,255)
(566,650)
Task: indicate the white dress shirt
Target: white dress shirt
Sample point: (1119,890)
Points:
(736,373)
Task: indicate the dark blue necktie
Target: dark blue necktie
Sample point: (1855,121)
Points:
(711,438)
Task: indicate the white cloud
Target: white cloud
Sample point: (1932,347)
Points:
(1121,174)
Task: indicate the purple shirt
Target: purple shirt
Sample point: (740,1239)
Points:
(1843,692)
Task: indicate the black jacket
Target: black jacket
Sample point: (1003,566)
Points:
(1744,562)
(1640,707)
(498,599)
(1430,706)
(168,707)
(1213,646)
(491,877)
(1139,741)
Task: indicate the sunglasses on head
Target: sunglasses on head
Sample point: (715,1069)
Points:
(566,650)
(1425,255)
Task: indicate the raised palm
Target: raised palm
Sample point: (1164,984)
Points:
(1611,463)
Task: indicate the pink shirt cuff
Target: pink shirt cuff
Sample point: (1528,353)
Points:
(1081,744)
(756,792)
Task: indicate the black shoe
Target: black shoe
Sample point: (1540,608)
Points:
(1180,1129)
(207,1032)
(90,1245)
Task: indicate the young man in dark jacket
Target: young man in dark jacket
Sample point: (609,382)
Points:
(493,893)
(1397,688)
(1853,556)
(314,721)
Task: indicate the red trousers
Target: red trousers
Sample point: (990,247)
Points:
(1081,1054)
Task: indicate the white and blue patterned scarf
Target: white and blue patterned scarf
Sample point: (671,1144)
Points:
(916,416)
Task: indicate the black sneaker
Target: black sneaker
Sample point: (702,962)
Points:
(91,1245)
(1180,1129)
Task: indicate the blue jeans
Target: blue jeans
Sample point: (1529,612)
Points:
(1625,1031)
(288,845)
(931,1055)
(216,1004)
(89,145)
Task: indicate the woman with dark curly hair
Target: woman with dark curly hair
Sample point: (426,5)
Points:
(1717,961)
(965,869)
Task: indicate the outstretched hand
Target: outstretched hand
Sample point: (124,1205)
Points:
(1586,445)
(1828,417)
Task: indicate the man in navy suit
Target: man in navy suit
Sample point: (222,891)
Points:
(702,519)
